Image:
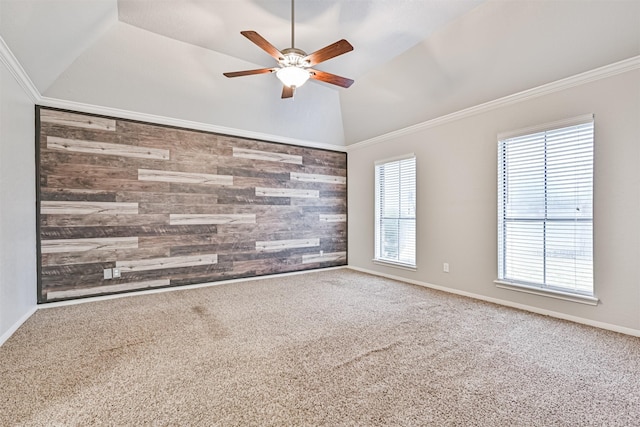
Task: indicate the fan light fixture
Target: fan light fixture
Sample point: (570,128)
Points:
(293,68)
(292,76)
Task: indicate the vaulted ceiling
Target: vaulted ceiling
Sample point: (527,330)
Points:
(413,60)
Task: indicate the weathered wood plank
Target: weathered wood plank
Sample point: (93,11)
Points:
(322,170)
(190,162)
(83,134)
(269,156)
(269,167)
(329,209)
(186,142)
(177,272)
(74,270)
(332,217)
(99,290)
(76,120)
(325,257)
(309,177)
(253,200)
(84,279)
(184,177)
(188,219)
(287,192)
(308,201)
(94,172)
(279,245)
(313,157)
(212,248)
(90,160)
(103,220)
(339,194)
(250,183)
(334,244)
(168,208)
(292,217)
(84,245)
(331,228)
(172,199)
(267,232)
(253,173)
(77,195)
(176,240)
(248,255)
(86,208)
(80,182)
(106,148)
(164,263)
(252,144)
(92,257)
(124,231)
(217,243)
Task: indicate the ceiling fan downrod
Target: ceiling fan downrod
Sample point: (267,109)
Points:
(292,25)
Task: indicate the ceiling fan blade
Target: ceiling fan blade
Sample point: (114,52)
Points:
(249,72)
(330,78)
(287,92)
(328,52)
(263,44)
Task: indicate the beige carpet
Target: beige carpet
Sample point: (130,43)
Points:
(327,348)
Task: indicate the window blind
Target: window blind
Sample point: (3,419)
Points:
(395,239)
(545,209)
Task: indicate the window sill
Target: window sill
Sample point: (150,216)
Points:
(565,296)
(395,264)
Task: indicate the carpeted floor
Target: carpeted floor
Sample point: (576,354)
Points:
(333,347)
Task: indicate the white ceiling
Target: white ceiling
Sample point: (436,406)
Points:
(380,30)
(413,60)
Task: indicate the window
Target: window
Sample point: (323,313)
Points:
(545,208)
(396,211)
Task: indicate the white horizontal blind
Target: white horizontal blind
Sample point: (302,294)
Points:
(396,211)
(545,209)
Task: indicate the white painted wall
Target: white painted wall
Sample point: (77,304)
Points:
(17,205)
(457,201)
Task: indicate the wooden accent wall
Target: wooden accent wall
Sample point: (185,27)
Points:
(170,206)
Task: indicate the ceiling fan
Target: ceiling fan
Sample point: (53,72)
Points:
(294,65)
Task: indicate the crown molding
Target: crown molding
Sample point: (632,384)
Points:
(13,65)
(610,70)
(180,123)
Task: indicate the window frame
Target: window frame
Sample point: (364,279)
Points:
(377,258)
(543,289)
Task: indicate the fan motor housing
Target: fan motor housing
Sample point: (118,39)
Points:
(293,57)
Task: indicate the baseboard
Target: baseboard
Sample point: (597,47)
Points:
(16,325)
(180,288)
(557,315)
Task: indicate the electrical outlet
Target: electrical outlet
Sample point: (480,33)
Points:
(445,267)
(107,273)
(116,273)
(321,253)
